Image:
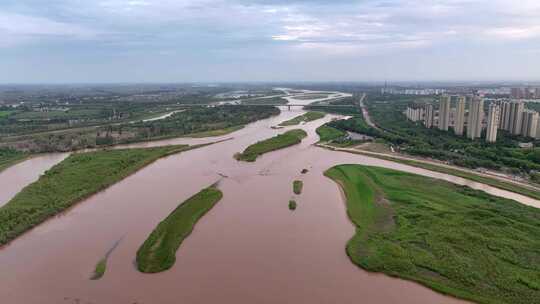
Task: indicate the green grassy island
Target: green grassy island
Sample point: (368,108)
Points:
(292,205)
(327,133)
(298,185)
(307,117)
(451,238)
(281,141)
(158,252)
(74,179)
(99,272)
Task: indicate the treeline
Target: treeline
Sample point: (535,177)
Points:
(196,120)
(414,138)
(193,120)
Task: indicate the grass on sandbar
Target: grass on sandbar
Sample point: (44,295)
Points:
(298,185)
(158,252)
(72,180)
(327,133)
(307,117)
(451,238)
(292,205)
(281,141)
(101,266)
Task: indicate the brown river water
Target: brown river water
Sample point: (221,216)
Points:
(248,249)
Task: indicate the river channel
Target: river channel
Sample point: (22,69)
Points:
(250,248)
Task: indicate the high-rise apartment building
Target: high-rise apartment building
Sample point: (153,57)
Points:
(530,123)
(444,113)
(428,115)
(414,113)
(492,122)
(516,117)
(459,118)
(476,114)
(504,119)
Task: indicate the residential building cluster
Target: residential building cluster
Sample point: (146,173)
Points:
(525,93)
(404,91)
(510,116)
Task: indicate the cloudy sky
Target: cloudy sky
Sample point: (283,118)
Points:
(268,40)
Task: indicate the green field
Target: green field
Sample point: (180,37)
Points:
(281,141)
(5,114)
(460,173)
(9,157)
(158,252)
(72,180)
(306,117)
(327,133)
(451,238)
(298,185)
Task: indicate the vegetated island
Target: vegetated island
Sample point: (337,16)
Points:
(327,133)
(497,183)
(280,141)
(72,180)
(158,252)
(298,185)
(101,266)
(9,157)
(292,205)
(306,117)
(451,238)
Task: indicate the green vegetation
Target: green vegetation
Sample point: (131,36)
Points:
(415,139)
(9,157)
(450,238)
(281,141)
(298,185)
(263,101)
(99,272)
(311,96)
(306,117)
(508,186)
(158,253)
(327,133)
(214,133)
(292,205)
(72,180)
(196,122)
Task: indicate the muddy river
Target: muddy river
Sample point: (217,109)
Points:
(248,249)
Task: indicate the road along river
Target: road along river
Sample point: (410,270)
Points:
(248,249)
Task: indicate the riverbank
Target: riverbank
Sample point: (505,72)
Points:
(280,141)
(497,183)
(72,180)
(9,157)
(158,252)
(447,237)
(306,117)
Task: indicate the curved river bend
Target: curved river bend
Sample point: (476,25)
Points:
(249,249)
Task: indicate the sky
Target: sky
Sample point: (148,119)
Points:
(100,41)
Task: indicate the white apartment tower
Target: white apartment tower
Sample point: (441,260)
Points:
(459,119)
(476,114)
(444,113)
(530,123)
(504,119)
(428,115)
(492,122)
(516,117)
